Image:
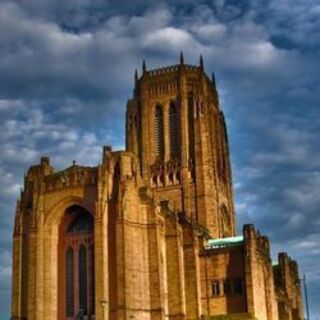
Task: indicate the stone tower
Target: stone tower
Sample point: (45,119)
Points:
(175,127)
(149,233)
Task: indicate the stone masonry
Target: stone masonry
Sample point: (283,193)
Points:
(150,233)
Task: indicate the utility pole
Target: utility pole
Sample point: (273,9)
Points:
(306,296)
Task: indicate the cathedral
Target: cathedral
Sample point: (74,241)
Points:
(150,233)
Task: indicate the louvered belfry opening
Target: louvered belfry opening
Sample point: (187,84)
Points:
(158,133)
(174,131)
(78,276)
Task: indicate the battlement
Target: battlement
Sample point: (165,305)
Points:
(169,70)
(161,71)
(255,241)
(172,69)
(286,271)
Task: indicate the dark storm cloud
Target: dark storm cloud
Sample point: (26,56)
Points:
(66,71)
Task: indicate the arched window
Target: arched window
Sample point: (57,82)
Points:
(83,279)
(77,259)
(81,224)
(223,148)
(191,129)
(158,132)
(174,130)
(69,283)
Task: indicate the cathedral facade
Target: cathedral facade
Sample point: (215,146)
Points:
(149,233)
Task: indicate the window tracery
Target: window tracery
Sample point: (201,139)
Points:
(77,239)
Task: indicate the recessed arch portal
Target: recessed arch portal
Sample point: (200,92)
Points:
(76,264)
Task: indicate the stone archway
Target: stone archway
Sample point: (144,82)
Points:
(50,240)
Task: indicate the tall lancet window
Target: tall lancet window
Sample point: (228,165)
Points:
(158,132)
(174,130)
(83,295)
(69,283)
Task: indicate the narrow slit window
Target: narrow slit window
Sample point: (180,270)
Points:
(215,288)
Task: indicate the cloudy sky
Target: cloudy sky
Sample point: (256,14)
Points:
(66,71)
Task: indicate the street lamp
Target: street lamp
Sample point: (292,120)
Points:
(104,303)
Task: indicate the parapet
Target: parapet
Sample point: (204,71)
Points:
(171,69)
(287,266)
(287,285)
(253,239)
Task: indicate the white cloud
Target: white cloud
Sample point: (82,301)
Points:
(168,38)
(63,92)
(209,32)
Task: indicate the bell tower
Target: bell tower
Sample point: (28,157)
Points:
(176,128)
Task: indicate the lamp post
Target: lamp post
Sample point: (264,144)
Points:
(104,303)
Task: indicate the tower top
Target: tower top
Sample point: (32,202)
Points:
(213,78)
(201,62)
(136,76)
(144,68)
(181,58)
(188,68)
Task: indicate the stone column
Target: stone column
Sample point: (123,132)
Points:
(101,268)
(16,276)
(32,288)
(39,275)
(155,261)
(184,130)
(147,114)
(250,265)
(191,274)
(175,270)
(49,292)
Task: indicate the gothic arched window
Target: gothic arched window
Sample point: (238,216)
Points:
(158,132)
(223,148)
(191,101)
(77,259)
(69,283)
(174,130)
